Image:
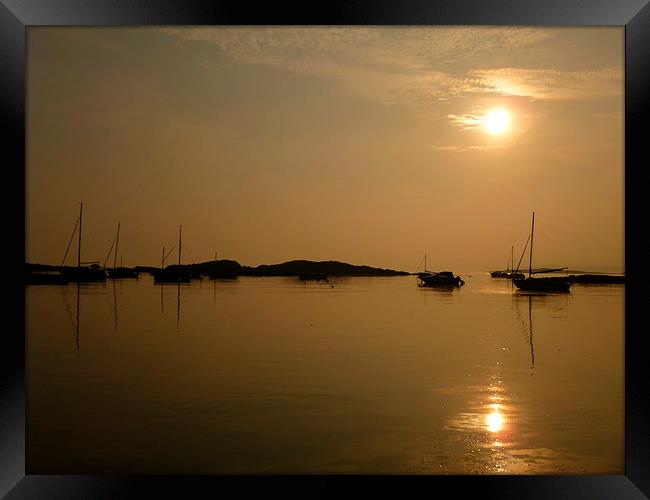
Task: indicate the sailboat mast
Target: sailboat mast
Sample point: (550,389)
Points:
(425,262)
(180,231)
(512,257)
(117,242)
(81,207)
(530,261)
(70,242)
(162,260)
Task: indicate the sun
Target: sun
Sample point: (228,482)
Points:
(496,121)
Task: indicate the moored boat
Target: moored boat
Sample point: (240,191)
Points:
(597,279)
(35,278)
(507,274)
(173,274)
(510,272)
(544,284)
(81,274)
(84,274)
(118,272)
(122,272)
(443,278)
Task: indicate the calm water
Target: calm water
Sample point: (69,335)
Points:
(359,375)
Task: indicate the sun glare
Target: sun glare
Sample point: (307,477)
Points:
(497,121)
(495,421)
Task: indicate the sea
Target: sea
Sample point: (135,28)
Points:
(372,375)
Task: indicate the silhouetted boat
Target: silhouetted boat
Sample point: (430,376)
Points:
(546,284)
(509,273)
(173,274)
(81,273)
(425,273)
(118,272)
(596,279)
(313,277)
(122,272)
(219,269)
(35,278)
(443,278)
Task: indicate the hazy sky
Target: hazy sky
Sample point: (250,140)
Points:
(369,145)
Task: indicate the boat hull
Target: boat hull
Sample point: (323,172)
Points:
(543,284)
(597,279)
(507,274)
(440,279)
(172,277)
(122,272)
(437,283)
(84,275)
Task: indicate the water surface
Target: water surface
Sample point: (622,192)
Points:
(357,375)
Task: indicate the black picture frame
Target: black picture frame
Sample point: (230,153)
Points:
(17,15)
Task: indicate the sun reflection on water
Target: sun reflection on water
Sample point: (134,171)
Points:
(488,429)
(495,421)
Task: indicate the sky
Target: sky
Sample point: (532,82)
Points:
(367,145)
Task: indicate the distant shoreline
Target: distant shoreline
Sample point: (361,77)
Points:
(332,268)
(233,268)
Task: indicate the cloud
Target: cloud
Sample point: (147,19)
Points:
(466,122)
(551,83)
(463,149)
(430,69)
(411,48)
(411,66)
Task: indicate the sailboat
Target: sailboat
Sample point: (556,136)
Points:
(82,273)
(554,284)
(424,273)
(443,278)
(223,269)
(173,274)
(508,273)
(119,272)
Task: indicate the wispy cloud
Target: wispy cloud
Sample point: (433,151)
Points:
(551,83)
(463,149)
(407,65)
(396,48)
(466,122)
(434,70)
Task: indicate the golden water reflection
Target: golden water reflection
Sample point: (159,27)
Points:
(497,435)
(488,431)
(309,384)
(498,425)
(495,421)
